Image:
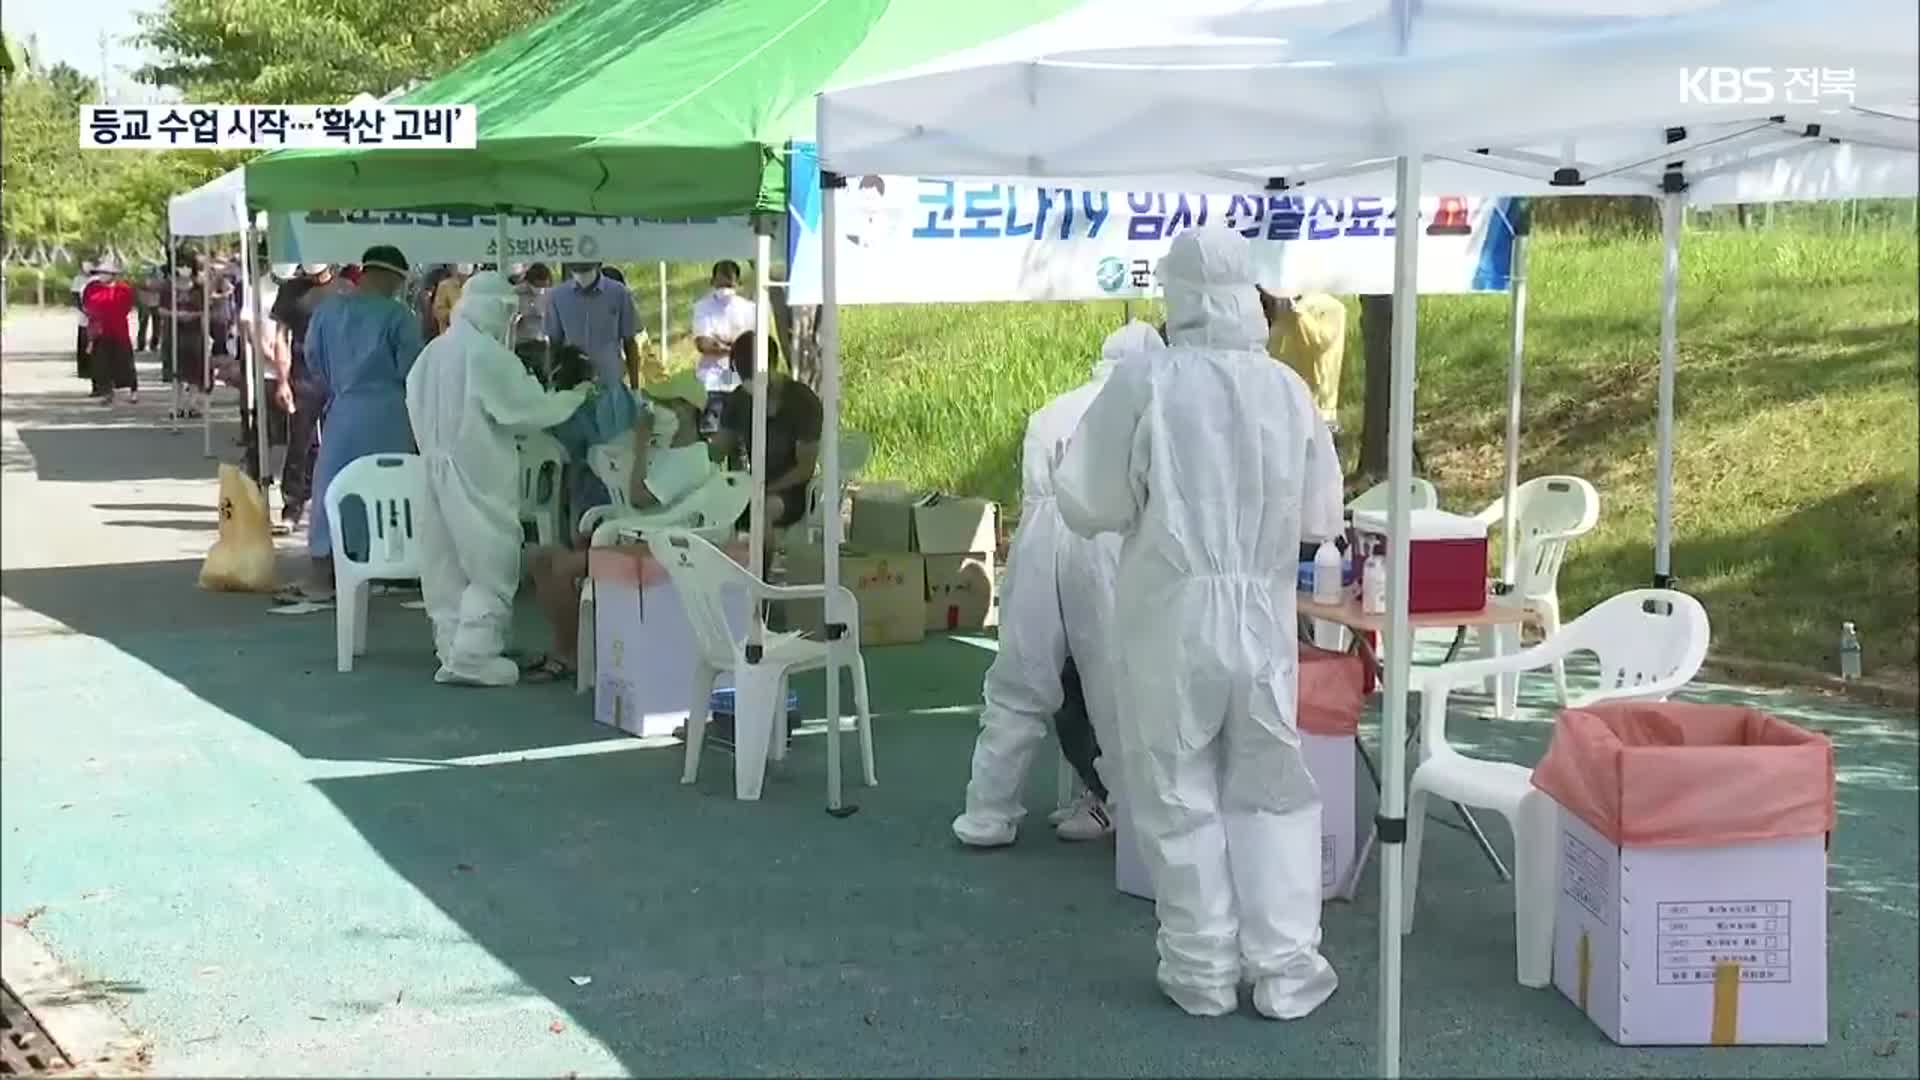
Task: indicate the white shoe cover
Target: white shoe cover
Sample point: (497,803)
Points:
(495,671)
(1292,996)
(983,833)
(1203,1001)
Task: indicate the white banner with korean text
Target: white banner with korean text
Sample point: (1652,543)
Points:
(424,236)
(906,240)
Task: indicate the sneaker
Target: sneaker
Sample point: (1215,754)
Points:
(1089,821)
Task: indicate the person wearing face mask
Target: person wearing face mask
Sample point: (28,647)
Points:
(446,294)
(720,318)
(530,316)
(360,345)
(295,393)
(1212,463)
(183,356)
(669,461)
(595,314)
(468,397)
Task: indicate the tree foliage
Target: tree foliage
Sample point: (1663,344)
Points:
(302,52)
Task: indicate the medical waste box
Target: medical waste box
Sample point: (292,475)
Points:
(1332,696)
(644,648)
(1448,558)
(1692,884)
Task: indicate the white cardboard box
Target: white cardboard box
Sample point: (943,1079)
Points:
(644,650)
(1330,761)
(1688,946)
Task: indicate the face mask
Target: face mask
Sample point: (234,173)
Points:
(724,291)
(464,269)
(585,278)
(316,269)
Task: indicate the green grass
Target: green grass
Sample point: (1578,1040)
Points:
(1797,443)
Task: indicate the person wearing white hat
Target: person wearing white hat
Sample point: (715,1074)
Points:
(669,461)
(468,397)
(1213,464)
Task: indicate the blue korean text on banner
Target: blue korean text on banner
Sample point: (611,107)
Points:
(928,240)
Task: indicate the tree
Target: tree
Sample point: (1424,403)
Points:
(295,52)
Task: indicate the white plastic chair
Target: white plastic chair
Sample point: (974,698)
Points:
(392,489)
(1650,642)
(543,466)
(1425,496)
(1549,513)
(701,574)
(708,511)
(612,465)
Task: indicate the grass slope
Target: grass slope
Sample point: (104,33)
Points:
(1797,437)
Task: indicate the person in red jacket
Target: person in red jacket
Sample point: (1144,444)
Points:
(109,304)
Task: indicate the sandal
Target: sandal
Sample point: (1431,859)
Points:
(298,594)
(546,669)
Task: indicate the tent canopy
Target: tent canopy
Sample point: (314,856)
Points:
(1246,95)
(214,208)
(665,109)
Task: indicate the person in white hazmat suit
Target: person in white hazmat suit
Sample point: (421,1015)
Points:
(1057,602)
(1211,461)
(467,397)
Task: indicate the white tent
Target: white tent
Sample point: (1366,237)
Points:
(216,208)
(1219,95)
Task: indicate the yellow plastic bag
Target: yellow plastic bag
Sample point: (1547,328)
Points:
(242,559)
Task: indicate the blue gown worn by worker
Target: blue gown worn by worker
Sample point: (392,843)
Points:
(359,346)
(1211,461)
(468,397)
(1056,602)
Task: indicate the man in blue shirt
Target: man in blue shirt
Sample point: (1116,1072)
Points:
(595,314)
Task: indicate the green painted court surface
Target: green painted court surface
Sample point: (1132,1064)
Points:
(273,868)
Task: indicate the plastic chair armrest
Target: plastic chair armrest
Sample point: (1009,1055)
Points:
(1467,672)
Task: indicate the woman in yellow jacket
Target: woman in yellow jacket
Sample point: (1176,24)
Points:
(1309,334)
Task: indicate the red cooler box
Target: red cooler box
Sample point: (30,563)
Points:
(1449,558)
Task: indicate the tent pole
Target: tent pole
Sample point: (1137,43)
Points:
(256,360)
(206,358)
(1672,207)
(500,248)
(1392,824)
(757,442)
(829,329)
(1517,284)
(173,329)
(663,317)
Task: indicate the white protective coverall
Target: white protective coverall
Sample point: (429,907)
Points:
(1211,460)
(467,397)
(1057,601)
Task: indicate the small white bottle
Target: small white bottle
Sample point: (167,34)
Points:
(1849,652)
(1373,587)
(1326,574)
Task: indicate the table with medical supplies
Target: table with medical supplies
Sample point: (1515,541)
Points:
(1363,628)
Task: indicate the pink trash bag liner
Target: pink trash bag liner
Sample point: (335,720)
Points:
(1662,774)
(1332,691)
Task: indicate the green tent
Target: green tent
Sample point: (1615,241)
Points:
(665,109)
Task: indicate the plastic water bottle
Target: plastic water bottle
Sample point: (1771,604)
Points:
(1849,652)
(1373,586)
(1326,574)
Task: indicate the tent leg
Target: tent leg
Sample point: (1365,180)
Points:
(1392,822)
(663,317)
(501,246)
(1509,558)
(757,442)
(206,358)
(829,330)
(173,329)
(1671,208)
(256,358)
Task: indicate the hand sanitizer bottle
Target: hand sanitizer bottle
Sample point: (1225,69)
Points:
(1849,652)
(1326,574)
(1373,585)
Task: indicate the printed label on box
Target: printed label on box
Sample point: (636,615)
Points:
(1586,878)
(1695,938)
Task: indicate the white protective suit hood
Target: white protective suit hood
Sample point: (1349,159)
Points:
(468,396)
(1212,462)
(1211,296)
(1135,337)
(487,303)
